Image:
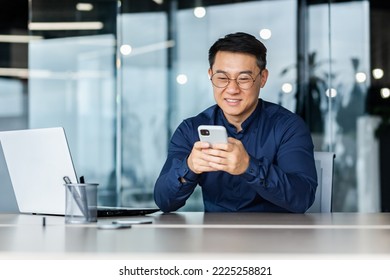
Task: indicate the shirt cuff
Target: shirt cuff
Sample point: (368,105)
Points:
(187,173)
(253,170)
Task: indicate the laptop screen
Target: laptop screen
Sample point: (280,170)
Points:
(37,161)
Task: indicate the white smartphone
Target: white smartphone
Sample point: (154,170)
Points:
(132,222)
(112,226)
(212,134)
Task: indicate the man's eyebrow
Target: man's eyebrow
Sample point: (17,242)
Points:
(241,72)
(246,72)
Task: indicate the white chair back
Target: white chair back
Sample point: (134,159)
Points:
(324,164)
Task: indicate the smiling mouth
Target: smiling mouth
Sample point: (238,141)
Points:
(235,101)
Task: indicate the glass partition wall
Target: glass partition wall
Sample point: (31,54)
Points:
(314,55)
(165,73)
(72,82)
(119,76)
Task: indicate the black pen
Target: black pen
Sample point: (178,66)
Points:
(84,197)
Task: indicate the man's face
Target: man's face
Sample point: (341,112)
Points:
(236,103)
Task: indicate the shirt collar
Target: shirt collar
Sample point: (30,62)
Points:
(221,119)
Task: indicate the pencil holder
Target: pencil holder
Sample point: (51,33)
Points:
(80,203)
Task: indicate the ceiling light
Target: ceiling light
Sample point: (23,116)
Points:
(199,12)
(125,49)
(152,47)
(14,72)
(331,93)
(265,33)
(90,25)
(18,38)
(377,73)
(385,92)
(181,79)
(85,7)
(360,77)
(287,87)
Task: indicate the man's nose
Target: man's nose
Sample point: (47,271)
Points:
(233,86)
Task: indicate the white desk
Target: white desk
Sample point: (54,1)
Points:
(198,235)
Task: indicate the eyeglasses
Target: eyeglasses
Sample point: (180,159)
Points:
(244,80)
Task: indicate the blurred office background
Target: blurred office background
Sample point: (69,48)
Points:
(119,76)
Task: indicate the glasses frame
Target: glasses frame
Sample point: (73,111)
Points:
(230,79)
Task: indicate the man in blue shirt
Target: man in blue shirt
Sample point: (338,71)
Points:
(267,164)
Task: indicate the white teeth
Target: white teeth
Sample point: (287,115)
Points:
(231,100)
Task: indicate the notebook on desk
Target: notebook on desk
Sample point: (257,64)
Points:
(37,160)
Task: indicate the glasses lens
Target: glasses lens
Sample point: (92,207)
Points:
(220,80)
(245,81)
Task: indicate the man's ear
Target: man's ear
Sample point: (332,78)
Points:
(210,73)
(263,77)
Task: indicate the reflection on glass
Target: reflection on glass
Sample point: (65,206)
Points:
(77,92)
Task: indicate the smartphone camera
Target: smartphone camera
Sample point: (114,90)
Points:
(205,132)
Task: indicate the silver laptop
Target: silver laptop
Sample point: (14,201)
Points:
(37,160)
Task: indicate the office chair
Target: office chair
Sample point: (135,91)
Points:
(324,164)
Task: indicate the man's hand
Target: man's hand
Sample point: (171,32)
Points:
(231,157)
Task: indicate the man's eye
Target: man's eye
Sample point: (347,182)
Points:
(244,79)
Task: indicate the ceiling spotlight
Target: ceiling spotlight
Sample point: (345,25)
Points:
(265,33)
(385,93)
(287,87)
(199,12)
(181,79)
(361,77)
(125,49)
(377,73)
(331,93)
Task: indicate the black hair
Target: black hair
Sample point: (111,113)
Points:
(240,42)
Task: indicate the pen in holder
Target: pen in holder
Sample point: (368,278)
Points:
(80,202)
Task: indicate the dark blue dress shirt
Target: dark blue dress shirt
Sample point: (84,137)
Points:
(281,176)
